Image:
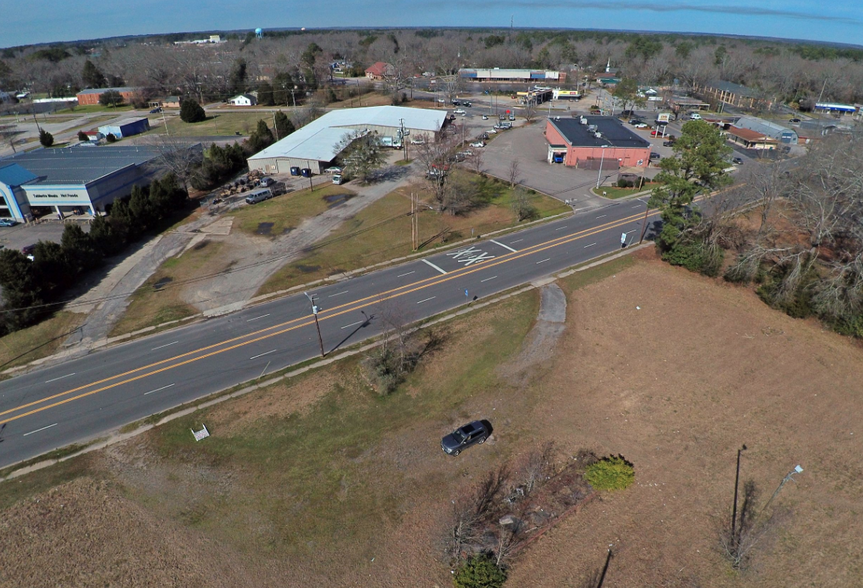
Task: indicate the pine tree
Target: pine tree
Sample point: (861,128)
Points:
(191,111)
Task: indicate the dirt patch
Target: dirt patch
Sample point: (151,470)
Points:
(162,282)
(334,200)
(264,228)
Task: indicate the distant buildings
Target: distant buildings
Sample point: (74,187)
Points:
(379,70)
(589,142)
(723,92)
(243,100)
(511,75)
(85,97)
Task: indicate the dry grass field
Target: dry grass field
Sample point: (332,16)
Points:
(319,481)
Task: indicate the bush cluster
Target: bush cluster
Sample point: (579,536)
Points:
(219,164)
(28,286)
(479,571)
(610,473)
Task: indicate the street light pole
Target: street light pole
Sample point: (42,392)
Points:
(736,487)
(797,470)
(315,310)
(601,161)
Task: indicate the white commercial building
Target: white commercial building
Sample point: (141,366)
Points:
(318,143)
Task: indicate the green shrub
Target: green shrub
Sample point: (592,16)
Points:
(479,571)
(610,473)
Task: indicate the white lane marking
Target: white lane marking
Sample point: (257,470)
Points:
(504,246)
(591,245)
(60,378)
(353,324)
(165,345)
(337,294)
(258,317)
(158,389)
(434,266)
(560,228)
(263,354)
(426,299)
(601,215)
(632,231)
(637,206)
(487,279)
(543,261)
(516,241)
(407,274)
(37,430)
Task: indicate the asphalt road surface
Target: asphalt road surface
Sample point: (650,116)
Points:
(84,398)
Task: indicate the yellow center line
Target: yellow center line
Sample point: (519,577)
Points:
(342,309)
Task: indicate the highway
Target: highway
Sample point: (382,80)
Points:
(84,398)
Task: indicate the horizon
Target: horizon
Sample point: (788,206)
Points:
(776,20)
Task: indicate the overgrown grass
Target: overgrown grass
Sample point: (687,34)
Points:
(151,305)
(381,232)
(590,276)
(87,108)
(217,124)
(288,210)
(41,340)
(11,491)
(309,475)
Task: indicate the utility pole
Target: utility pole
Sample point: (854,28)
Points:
(797,470)
(165,122)
(275,128)
(640,241)
(315,310)
(734,508)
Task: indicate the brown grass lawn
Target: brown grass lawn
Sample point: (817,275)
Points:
(382,232)
(320,482)
(159,300)
(286,211)
(41,340)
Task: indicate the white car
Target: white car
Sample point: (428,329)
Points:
(478,144)
(333,170)
(418,141)
(460,111)
(641,125)
(491,131)
(485,117)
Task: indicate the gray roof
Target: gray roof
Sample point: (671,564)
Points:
(320,139)
(736,89)
(102,90)
(80,166)
(760,125)
(613,132)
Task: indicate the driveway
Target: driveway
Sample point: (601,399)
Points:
(22,235)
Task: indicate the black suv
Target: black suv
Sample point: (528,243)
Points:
(464,437)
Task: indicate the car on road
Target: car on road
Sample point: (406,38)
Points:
(478,144)
(794,121)
(466,103)
(463,437)
(668,143)
(156,110)
(456,102)
(737,161)
(460,111)
(7,222)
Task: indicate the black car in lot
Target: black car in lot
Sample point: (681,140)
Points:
(465,436)
(737,161)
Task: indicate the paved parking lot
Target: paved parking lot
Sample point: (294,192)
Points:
(22,235)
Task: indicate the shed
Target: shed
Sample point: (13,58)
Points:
(126,127)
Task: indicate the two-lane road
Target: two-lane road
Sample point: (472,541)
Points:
(89,396)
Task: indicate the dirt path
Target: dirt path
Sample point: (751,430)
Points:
(261,258)
(540,342)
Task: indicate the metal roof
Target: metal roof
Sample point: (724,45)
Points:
(13,174)
(80,166)
(614,134)
(763,126)
(320,140)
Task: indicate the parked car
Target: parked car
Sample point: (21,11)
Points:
(635,121)
(259,196)
(456,102)
(511,117)
(466,103)
(485,117)
(7,222)
(28,249)
(694,116)
(737,161)
(557,158)
(484,136)
(333,170)
(492,130)
(463,437)
(267,182)
(641,125)
(478,144)
(668,143)
(506,125)
(337,179)
(656,133)
(460,111)
(794,121)
(418,140)
(156,110)
(654,156)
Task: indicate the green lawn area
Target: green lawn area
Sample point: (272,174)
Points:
(287,211)
(381,232)
(86,108)
(220,123)
(42,340)
(614,192)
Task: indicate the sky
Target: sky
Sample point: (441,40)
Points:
(24,22)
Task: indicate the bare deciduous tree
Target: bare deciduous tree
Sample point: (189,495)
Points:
(514,173)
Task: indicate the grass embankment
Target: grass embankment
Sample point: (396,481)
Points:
(87,108)
(41,340)
(382,232)
(308,474)
(159,299)
(613,192)
(287,211)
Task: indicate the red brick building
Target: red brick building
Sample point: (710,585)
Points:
(590,141)
(379,70)
(92,96)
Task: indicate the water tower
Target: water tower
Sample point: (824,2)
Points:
(259,33)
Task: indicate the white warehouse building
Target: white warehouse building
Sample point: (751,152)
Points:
(317,144)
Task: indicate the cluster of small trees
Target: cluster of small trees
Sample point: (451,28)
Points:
(30,287)
(219,164)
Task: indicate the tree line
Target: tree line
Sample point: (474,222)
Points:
(31,287)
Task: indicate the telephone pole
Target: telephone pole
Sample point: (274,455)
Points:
(315,310)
